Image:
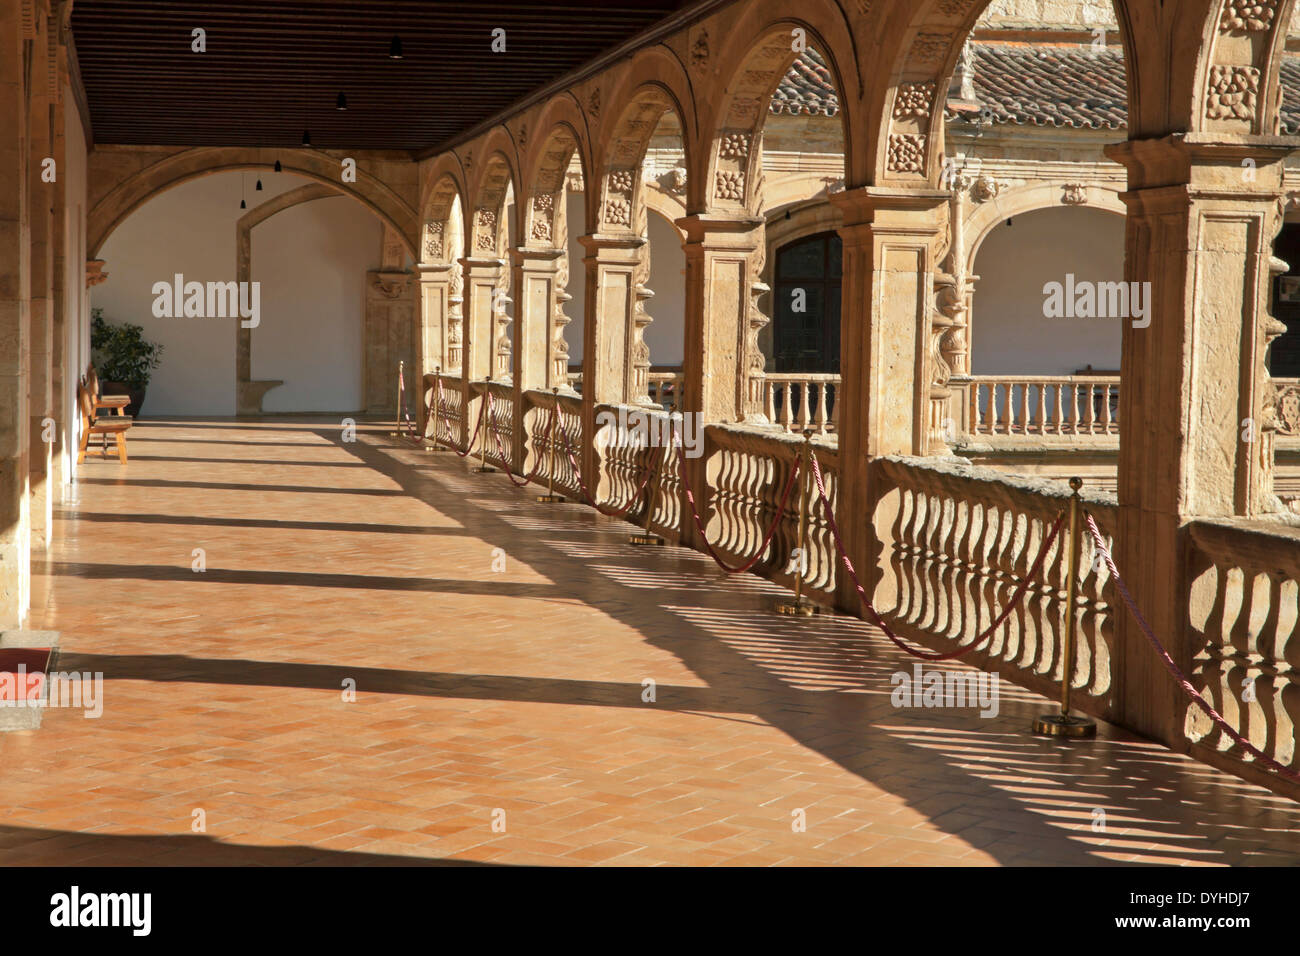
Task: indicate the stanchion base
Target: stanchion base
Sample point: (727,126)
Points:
(646,538)
(437,447)
(1063,725)
(552,499)
(485,470)
(797,608)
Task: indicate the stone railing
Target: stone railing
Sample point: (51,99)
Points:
(1245,620)
(543,438)
(499,426)
(959,540)
(1041,405)
(747,472)
(662,385)
(636,460)
(801,400)
(453,411)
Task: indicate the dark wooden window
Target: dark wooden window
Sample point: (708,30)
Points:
(1284,356)
(808,275)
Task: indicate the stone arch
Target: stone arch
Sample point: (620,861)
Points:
(496,175)
(620,189)
(906,116)
(1238,77)
(562,127)
(754,65)
(985,216)
(128,195)
(443,211)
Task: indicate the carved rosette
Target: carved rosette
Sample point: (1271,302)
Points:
(733,163)
(485,230)
(906,153)
(1233,93)
(1247,16)
(616,210)
(543,216)
(433,233)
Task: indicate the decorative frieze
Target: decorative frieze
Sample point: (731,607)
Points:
(1233,93)
(906,153)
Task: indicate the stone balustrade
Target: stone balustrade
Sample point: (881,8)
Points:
(550,435)
(801,400)
(1043,405)
(1244,614)
(959,540)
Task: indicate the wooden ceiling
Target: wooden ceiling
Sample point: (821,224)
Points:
(273,69)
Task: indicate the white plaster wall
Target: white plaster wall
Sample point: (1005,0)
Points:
(666,335)
(311,261)
(312,269)
(76,311)
(1009,335)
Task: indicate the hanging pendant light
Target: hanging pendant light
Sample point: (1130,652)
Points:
(395,49)
(306,138)
(243,204)
(259,186)
(278,168)
(341,103)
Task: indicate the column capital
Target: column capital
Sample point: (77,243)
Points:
(893,208)
(480,266)
(434,271)
(728,231)
(535,259)
(597,242)
(1209,159)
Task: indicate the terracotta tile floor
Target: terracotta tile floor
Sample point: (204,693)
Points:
(513,695)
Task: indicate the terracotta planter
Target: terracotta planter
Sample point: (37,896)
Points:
(117,388)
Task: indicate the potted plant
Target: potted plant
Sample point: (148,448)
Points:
(124,360)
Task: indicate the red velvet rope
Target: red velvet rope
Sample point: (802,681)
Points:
(1173,667)
(577,470)
(699,523)
(880,621)
(505,461)
(482,409)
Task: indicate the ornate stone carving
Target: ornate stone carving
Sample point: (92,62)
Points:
(677,180)
(729,184)
(573,181)
(391,286)
(700,50)
(955,8)
(985,188)
(1247,16)
(618,211)
(1286,410)
(621,180)
(1233,92)
(906,153)
(485,228)
(543,214)
(433,232)
(914,99)
(929,48)
(593,103)
(1075,194)
(734,146)
(95,273)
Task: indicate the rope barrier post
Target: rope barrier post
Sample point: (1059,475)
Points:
(483,467)
(801,606)
(437,412)
(1062,724)
(551,498)
(648,537)
(397,419)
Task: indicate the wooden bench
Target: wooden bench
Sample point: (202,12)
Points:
(115,425)
(98,401)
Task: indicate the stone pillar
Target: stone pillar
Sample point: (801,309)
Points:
(61,473)
(607,360)
(720,279)
(482,277)
(536,284)
(389,338)
(15,324)
(892,238)
(1196,402)
(43,180)
(431,348)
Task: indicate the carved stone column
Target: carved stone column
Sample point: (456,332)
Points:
(389,337)
(15,324)
(892,240)
(482,279)
(41,191)
(431,349)
(536,279)
(1196,427)
(720,279)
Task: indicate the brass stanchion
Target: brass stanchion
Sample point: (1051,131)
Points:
(483,467)
(801,606)
(397,415)
(437,412)
(1063,724)
(551,498)
(656,482)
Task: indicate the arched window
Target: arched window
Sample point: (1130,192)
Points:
(806,320)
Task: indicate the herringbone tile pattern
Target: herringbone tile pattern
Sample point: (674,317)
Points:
(513,693)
